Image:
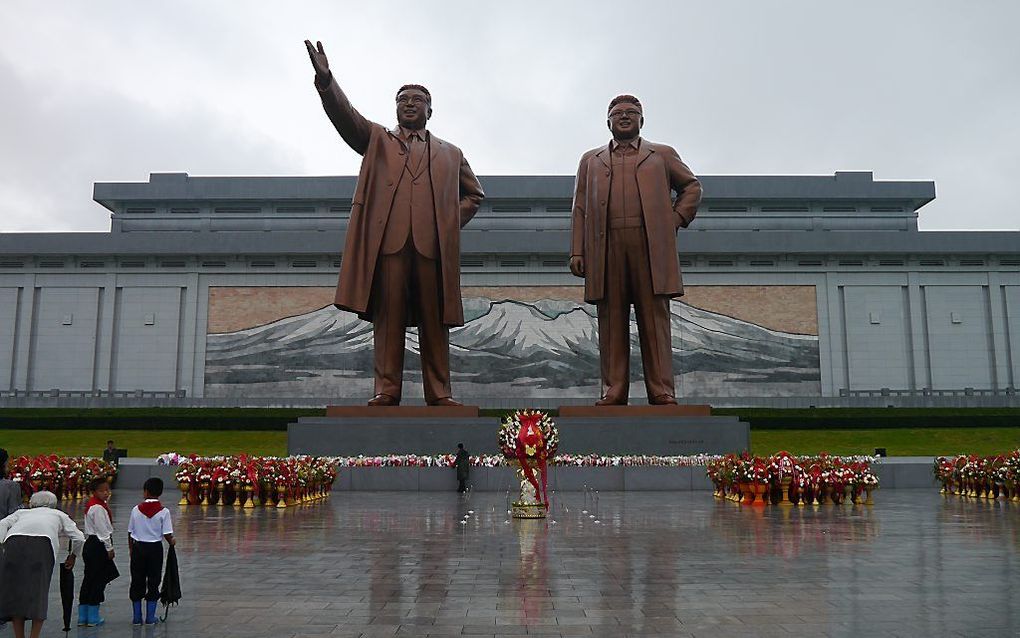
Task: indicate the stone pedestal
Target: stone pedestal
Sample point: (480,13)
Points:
(380,435)
(659,430)
(628,431)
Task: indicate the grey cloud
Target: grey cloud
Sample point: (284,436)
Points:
(56,145)
(909,90)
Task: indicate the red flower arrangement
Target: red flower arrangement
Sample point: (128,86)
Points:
(249,481)
(980,477)
(66,476)
(528,438)
(785,478)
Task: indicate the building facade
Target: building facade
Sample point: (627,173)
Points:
(801,290)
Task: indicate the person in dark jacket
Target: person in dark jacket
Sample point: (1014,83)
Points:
(10,491)
(10,496)
(111,454)
(463,465)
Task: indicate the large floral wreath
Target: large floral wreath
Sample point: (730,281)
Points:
(530,437)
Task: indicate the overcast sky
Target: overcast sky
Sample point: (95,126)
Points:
(111,91)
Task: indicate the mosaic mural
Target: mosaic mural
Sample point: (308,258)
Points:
(517,342)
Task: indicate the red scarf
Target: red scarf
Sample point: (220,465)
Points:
(150,508)
(530,434)
(95,500)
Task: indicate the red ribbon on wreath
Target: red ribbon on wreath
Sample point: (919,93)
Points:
(531,446)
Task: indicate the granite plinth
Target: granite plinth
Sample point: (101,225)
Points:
(905,472)
(631,411)
(402,411)
(373,436)
(132,472)
(661,435)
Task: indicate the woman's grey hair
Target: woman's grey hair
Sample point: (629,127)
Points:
(43,499)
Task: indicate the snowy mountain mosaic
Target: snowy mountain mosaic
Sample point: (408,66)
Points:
(544,348)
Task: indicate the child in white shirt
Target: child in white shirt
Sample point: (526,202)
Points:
(150,525)
(98,554)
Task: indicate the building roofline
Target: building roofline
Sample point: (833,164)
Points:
(841,186)
(498,242)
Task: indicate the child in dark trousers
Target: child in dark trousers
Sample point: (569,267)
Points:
(98,554)
(150,524)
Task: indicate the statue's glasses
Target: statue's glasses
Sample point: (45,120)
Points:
(631,113)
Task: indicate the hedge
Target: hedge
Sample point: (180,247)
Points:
(278,418)
(153,418)
(873,418)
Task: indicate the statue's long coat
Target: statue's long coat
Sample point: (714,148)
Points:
(660,172)
(456,191)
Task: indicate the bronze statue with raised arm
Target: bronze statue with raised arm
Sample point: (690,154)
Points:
(623,243)
(401,261)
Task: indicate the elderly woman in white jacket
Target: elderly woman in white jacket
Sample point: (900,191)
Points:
(31,542)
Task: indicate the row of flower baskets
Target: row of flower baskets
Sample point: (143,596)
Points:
(784,478)
(991,477)
(501,460)
(494,460)
(250,481)
(66,476)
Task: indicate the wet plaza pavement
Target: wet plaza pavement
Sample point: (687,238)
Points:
(669,564)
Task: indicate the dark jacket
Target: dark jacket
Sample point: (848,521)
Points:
(10,497)
(463,465)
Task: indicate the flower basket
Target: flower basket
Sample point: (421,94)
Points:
(786,479)
(528,439)
(67,477)
(971,476)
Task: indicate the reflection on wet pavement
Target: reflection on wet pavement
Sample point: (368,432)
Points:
(670,564)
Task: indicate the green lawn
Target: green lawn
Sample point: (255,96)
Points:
(898,442)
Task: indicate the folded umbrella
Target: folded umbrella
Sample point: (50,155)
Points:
(67,593)
(170,590)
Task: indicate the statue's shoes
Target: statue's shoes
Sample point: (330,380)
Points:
(607,401)
(383,400)
(662,399)
(446,402)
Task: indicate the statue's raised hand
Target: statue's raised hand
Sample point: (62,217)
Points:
(318,57)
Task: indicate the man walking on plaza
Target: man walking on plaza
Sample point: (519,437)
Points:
(623,243)
(463,464)
(401,261)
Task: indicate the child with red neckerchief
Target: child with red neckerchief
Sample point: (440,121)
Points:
(150,525)
(98,554)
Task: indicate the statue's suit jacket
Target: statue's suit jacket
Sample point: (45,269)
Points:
(456,195)
(659,171)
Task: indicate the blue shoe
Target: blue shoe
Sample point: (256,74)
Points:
(136,608)
(150,612)
(94,619)
(83,615)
